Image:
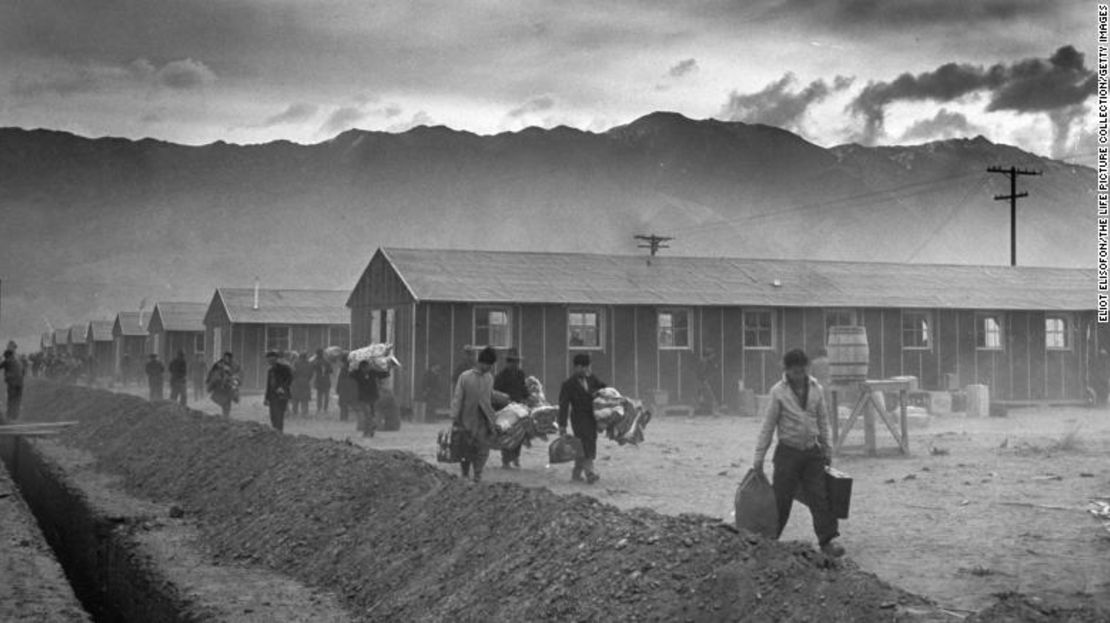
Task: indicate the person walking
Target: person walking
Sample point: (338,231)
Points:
(279,388)
(155,372)
(366,378)
(472,412)
(197,370)
(346,389)
(13,379)
(510,380)
(321,380)
(179,378)
(576,399)
(223,382)
(302,384)
(796,411)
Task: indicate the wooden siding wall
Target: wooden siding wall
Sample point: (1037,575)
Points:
(169,342)
(631,361)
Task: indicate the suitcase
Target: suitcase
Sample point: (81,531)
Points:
(838,489)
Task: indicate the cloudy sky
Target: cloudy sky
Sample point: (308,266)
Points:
(834,71)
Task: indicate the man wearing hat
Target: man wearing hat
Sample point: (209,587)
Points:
(577,397)
(154,373)
(510,380)
(472,412)
(279,382)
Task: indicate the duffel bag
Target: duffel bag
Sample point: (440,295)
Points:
(564,450)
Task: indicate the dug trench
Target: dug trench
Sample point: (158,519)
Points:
(162,513)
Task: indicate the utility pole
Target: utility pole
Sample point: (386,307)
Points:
(653,242)
(1014,195)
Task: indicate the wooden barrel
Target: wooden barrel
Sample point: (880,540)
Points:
(848,354)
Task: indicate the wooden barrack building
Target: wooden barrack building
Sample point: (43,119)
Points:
(1025,332)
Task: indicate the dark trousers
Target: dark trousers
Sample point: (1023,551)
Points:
(300,406)
(322,399)
(15,396)
(277,414)
(367,417)
(589,453)
(805,469)
(178,391)
(156,390)
(474,455)
(508,456)
(344,410)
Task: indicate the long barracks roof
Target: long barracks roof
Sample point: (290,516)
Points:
(101,330)
(179,316)
(77,333)
(285,306)
(533,277)
(131,323)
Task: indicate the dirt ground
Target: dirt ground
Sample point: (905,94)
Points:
(980,507)
(32,585)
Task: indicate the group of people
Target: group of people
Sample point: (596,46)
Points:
(472,412)
(288,384)
(797,413)
(180,371)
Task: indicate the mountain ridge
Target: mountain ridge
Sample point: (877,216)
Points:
(104,222)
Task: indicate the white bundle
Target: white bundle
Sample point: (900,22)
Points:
(608,405)
(380,357)
(510,415)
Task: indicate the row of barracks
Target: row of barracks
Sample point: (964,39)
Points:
(1027,333)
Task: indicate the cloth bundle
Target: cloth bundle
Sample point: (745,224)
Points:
(509,416)
(380,357)
(536,397)
(629,427)
(523,425)
(608,406)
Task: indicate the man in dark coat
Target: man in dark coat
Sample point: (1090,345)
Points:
(223,382)
(368,394)
(510,380)
(279,382)
(179,378)
(13,378)
(302,384)
(346,388)
(154,373)
(577,397)
(321,380)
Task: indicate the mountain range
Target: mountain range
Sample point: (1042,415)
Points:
(95,226)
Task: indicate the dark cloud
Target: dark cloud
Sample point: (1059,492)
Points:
(1032,85)
(295,113)
(909,14)
(536,104)
(778,104)
(179,74)
(945,124)
(342,119)
(682,68)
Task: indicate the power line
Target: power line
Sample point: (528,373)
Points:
(1014,195)
(890,194)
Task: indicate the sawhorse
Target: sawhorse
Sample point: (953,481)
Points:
(868,407)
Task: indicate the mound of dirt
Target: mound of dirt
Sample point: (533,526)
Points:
(397,539)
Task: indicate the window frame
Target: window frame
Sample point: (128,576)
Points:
(929,329)
(477,312)
(981,330)
(1065,332)
(288,337)
(672,311)
(198,344)
(772,333)
(599,328)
